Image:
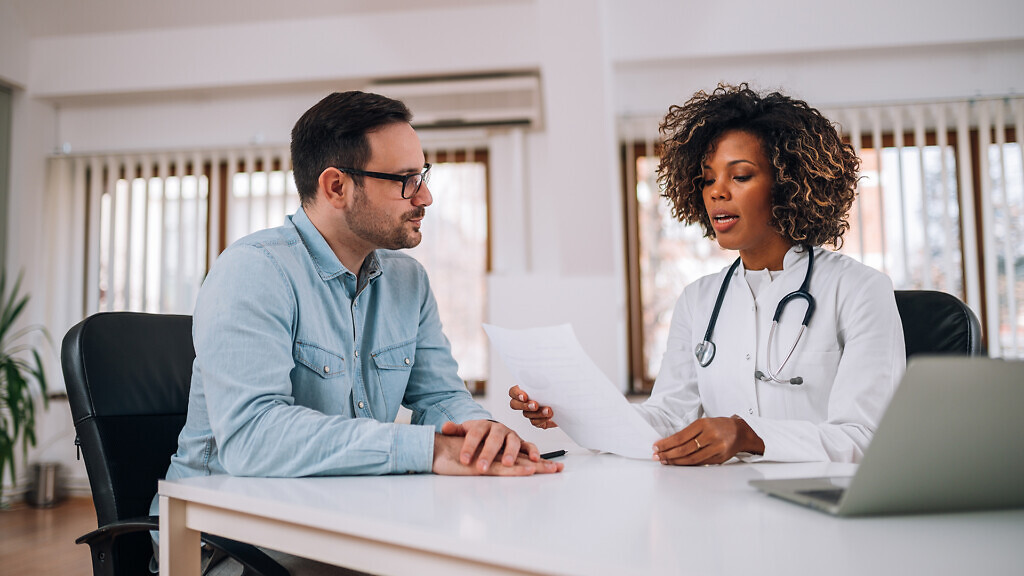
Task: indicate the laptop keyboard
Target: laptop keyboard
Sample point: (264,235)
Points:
(830,495)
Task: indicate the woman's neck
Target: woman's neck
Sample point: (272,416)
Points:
(770,255)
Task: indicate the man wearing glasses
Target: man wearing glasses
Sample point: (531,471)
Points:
(310,336)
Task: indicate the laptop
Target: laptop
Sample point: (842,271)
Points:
(951,439)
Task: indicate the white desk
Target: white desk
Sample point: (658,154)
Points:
(602,515)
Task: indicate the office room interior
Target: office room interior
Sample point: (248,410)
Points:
(544,114)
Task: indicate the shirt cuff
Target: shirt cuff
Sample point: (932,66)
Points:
(413,449)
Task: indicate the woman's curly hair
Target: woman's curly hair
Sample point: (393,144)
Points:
(815,172)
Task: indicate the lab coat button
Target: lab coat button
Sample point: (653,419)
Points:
(750,410)
(748,356)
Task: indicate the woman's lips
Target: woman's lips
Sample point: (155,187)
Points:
(724,222)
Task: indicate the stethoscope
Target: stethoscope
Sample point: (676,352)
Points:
(705,350)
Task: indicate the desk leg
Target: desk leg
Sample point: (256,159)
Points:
(179,546)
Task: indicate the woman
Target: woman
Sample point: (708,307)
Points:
(770,177)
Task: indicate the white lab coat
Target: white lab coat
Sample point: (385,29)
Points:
(851,357)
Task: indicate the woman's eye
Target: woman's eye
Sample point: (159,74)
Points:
(741,178)
(707,182)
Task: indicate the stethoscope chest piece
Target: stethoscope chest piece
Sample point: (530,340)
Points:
(705,352)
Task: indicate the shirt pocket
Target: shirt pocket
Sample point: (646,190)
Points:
(396,357)
(323,362)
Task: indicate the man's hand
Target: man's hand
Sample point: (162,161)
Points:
(708,441)
(540,416)
(471,447)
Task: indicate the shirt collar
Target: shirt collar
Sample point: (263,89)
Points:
(795,254)
(327,264)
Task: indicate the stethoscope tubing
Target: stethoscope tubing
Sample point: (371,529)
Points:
(705,350)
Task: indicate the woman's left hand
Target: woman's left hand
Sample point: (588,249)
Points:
(708,441)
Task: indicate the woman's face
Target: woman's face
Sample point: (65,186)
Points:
(738,181)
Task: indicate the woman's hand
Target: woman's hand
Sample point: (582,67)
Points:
(540,416)
(708,441)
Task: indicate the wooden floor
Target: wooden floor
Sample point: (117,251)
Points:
(41,541)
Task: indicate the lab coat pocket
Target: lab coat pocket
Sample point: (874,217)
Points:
(818,367)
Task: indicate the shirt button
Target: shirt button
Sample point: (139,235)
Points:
(357,353)
(406,361)
(360,404)
(327,369)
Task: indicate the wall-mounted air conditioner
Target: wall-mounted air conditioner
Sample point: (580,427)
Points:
(468,101)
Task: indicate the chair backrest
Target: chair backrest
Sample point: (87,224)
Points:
(938,323)
(128,377)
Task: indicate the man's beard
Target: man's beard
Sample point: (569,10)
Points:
(377,228)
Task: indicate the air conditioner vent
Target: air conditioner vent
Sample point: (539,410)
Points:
(475,101)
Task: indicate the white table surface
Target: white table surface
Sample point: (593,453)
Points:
(603,515)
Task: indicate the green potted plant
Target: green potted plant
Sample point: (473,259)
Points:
(21,380)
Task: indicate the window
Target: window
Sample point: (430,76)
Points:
(456,254)
(933,212)
(156,222)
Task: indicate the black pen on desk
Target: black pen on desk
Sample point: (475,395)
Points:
(550,455)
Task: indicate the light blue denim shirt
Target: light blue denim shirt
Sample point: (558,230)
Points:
(301,366)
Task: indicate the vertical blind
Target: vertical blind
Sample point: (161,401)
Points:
(940,206)
(139,231)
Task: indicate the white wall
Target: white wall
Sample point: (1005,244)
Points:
(556,191)
(14,47)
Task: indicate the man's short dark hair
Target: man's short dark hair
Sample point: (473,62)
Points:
(333,133)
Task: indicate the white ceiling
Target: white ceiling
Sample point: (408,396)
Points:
(69,17)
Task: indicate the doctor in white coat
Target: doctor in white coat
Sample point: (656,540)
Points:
(770,177)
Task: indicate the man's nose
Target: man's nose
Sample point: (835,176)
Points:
(423,196)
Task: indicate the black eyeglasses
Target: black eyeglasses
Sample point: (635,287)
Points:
(409,181)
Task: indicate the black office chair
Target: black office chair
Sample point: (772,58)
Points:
(128,377)
(938,323)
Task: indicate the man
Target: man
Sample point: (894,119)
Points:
(310,336)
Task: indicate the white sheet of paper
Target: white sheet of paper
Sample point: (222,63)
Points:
(550,365)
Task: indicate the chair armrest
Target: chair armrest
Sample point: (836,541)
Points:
(115,529)
(252,559)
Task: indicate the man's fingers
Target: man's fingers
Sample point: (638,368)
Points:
(492,445)
(452,429)
(531,451)
(469,446)
(512,446)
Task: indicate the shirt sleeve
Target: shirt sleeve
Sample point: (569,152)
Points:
(872,362)
(243,331)
(435,394)
(675,400)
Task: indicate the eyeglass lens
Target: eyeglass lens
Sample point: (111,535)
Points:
(412,184)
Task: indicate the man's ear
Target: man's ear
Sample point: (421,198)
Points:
(335,187)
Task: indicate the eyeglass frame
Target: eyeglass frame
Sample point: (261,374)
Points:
(403,178)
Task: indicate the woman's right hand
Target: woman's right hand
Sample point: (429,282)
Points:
(540,416)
